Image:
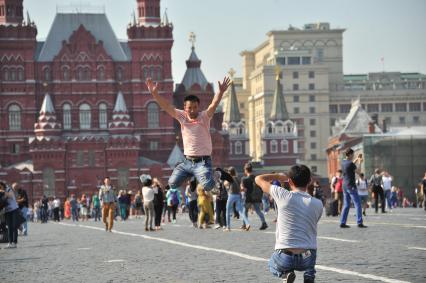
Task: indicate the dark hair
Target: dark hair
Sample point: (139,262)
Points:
(248,167)
(300,175)
(232,171)
(349,151)
(339,171)
(361,175)
(147,182)
(191,98)
(3,185)
(107,178)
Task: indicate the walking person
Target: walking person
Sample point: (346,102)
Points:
(234,198)
(108,200)
(423,190)
(22,200)
(337,190)
(74,208)
(138,204)
(96,207)
(44,209)
(221,200)
(174,198)
(297,223)
(362,186)
(11,215)
(67,209)
(122,203)
(350,191)
(158,202)
(387,188)
(83,207)
(197,142)
(166,207)
(191,193)
(253,196)
(56,207)
(377,190)
(148,201)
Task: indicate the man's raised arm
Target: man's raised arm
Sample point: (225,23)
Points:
(264,181)
(164,104)
(218,97)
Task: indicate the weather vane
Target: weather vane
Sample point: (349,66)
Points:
(192,38)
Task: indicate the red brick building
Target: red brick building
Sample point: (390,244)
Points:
(74,108)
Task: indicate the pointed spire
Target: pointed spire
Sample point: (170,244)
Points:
(120,104)
(193,74)
(134,18)
(165,18)
(232,112)
(28,19)
(279,108)
(175,157)
(47,106)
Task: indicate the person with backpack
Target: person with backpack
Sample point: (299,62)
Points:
(376,188)
(253,195)
(173,200)
(362,186)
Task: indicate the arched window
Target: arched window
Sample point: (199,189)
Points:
(152,72)
(13,74)
(274,146)
(101,73)
(5,74)
(66,74)
(20,74)
(284,146)
(87,76)
(85,116)
(14,117)
(103,118)
(153,115)
(279,129)
(238,147)
(145,73)
(46,73)
(119,74)
(159,74)
(66,116)
(269,129)
(48,182)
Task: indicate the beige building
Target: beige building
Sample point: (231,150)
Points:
(316,91)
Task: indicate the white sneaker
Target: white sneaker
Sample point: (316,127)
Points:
(14,246)
(9,246)
(217,227)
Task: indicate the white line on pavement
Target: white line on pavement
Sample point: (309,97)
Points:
(114,260)
(84,249)
(241,255)
(417,248)
(372,223)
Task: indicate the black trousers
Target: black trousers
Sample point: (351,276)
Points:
(193,211)
(174,210)
(158,212)
(12,225)
(56,214)
(378,192)
(221,212)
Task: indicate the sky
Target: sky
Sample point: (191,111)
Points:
(392,29)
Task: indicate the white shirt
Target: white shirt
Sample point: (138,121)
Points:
(362,187)
(387,183)
(148,194)
(56,203)
(298,216)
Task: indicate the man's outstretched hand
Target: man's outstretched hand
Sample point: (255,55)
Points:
(152,87)
(224,85)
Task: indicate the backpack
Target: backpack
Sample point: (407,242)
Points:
(257,193)
(174,199)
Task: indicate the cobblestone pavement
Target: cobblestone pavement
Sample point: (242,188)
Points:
(392,249)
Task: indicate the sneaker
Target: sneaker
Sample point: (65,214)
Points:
(9,246)
(344,226)
(151,229)
(290,277)
(264,226)
(226,229)
(218,227)
(247,228)
(146,229)
(174,221)
(243,227)
(14,245)
(361,226)
(363,213)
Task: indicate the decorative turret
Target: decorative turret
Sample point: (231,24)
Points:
(279,108)
(47,124)
(149,12)
(11,12)
(120,116)
(232,112)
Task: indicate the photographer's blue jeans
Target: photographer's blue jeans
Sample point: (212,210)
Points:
(348,194)
(280,264)
(24,212)
(202,171)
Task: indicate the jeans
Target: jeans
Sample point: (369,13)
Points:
(202,171)
(388,194)
(193,211)
(97,213)
(256,206)
(12,227)
(74,213)
(123,211)
(265,203)
(24,212)
(280,264)
(348,194)
(234,198)
(221,212)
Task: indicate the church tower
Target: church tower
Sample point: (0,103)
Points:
(11,12)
